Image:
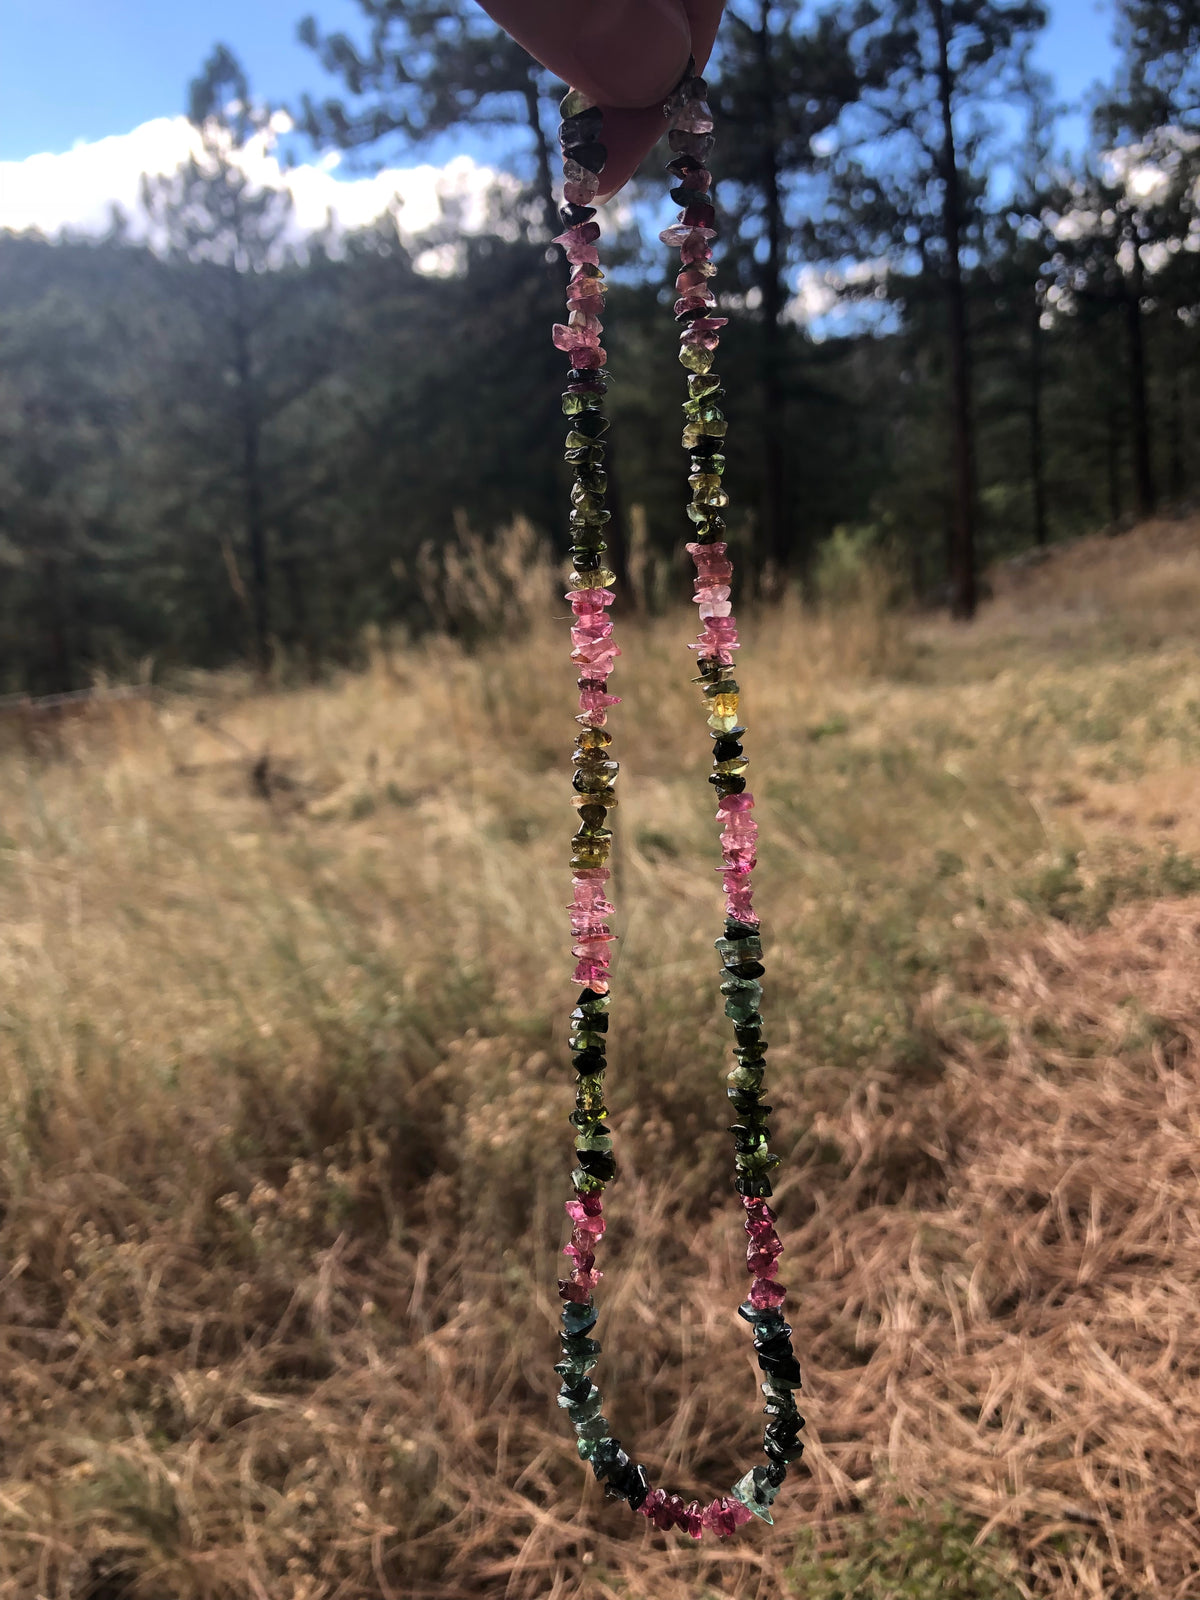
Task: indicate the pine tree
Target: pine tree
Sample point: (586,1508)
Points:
(909,182)
(239,371)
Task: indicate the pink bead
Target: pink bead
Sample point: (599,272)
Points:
(583,255)
(695,247)
(583,323)
(581,233)
(710,591)
(758,1212)
(693,1519)
(591,305)
(762,1263)
(585,358)
(577,340)
(592,976)
(707,339)
(694,299)
(651,1503)
(583,600)
(766,1295)
(583,1255)
(581,194)
(594,948)
(700,180)
(740,906)
(597,699)
(715,608)
(568,1290)
(586,1211)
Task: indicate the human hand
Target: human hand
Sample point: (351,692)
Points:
(627,55)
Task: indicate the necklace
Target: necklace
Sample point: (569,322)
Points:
(740,949)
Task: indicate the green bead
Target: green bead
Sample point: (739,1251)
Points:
(593,739)
(708,464)
(701,383)
(575,405)
(588,1041)
(695,357)
(573,103)
(593,1007)
(695,431)
(602,578)
(705,410)
(589,1095)
(586,1182)
(593,479)
(586,500)
(594,1141)
(734,950)
(585,455)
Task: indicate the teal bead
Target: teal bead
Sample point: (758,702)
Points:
(756,1493)
(594,1428)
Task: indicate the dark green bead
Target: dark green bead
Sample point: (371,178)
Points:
(755,1186)
(590,455)
(608,1458)
(592,424)
(591,1003)
(586,1183)
(598,1163)
(586,1412)
(585,560)
(745,1012)
(597,1021)
(572,215)
(588,1063)
(578,1317)
(592,479)
(579,1352)
(576,1391)
(575,405)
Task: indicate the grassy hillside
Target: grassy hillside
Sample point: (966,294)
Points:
(284,1090)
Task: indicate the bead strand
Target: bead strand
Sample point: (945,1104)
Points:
(705,426)
(594,784)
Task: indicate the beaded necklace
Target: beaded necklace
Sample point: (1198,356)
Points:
(740,949)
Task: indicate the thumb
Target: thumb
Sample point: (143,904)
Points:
(619,52)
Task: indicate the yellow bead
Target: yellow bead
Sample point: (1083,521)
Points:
(723,705)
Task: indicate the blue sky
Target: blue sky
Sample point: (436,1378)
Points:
(80,70)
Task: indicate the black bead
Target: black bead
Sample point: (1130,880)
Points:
(704,446)
(682,166)
(587,375)
(577,1391)
(608,1457)
(781,1369)
(582,126)
(776,1475)
(639,1486)
(725,749)
(753,1188)
(725,784)
(588,1062)
(584,560)
(573,215)
(591,155)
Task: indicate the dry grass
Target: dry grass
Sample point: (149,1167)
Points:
(284,1147)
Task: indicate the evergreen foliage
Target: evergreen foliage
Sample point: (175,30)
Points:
(233,444)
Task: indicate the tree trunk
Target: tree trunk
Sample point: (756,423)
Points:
(61,662)
(541,146)
(1176,473)
(962,566)
(252,489)
(778,545)
(1037,471)
(1139,404)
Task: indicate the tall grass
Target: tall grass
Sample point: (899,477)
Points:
(283,1141)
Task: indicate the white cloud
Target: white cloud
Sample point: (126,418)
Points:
(76,189)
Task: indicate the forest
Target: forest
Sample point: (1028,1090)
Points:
(952,338)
